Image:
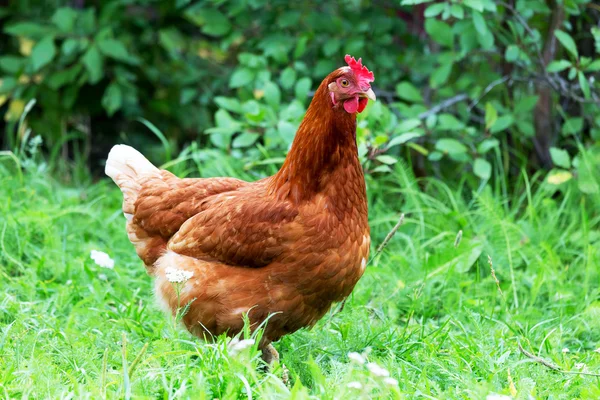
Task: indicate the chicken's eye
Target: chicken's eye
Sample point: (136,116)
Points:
(344,83)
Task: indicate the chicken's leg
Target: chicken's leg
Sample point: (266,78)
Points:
(270,356)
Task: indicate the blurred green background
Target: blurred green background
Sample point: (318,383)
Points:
(482,86)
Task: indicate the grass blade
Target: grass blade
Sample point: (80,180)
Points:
(159,135)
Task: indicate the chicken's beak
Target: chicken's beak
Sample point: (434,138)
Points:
(369,94)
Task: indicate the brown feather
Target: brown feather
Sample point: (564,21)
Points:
(286,246)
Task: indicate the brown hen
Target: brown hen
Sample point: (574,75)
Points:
(283,248)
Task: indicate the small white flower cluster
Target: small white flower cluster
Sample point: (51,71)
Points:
(597,350)
(357,358)
(391,381)
(378,370)
(178,275)
(565,350)
(355,385)
(581,366)
(102,259)
(236,345)
(374,368)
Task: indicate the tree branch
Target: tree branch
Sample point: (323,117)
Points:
(443,105)
(555,81)
(487,90)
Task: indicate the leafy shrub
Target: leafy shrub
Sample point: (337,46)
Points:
(477,84)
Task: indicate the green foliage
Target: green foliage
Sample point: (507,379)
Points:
(428,310)
(452,77)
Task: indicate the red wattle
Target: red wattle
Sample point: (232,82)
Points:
(351,105)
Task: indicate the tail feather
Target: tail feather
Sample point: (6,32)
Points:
(125,165)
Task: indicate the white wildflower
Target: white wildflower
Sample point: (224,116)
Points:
(391,381)
(582,366)
(355,385)
(377,370)
(495,396)
(355,357)
(102,259)
(597,350)
(178,275)
(236,345)
(565,350)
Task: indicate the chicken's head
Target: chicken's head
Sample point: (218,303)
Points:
(351,86)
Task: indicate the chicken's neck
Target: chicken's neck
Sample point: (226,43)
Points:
(324,147)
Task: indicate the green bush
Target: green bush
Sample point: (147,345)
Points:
(486,86)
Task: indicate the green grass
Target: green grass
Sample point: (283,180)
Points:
(427,311)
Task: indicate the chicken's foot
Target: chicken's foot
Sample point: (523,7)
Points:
(270,356)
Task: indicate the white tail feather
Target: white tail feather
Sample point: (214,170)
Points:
(125,165)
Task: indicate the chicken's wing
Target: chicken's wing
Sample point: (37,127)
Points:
(240,228)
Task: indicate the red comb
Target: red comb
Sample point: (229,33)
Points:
(362,73)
